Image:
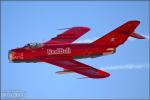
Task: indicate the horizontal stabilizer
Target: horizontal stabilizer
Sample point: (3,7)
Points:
(135,35)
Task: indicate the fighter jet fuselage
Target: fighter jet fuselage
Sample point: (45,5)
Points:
(30,52)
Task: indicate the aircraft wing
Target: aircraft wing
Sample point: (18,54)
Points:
(69,36)
(75,66)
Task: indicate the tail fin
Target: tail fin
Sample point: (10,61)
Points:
(120,34)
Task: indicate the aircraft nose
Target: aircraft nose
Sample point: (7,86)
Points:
(12,56)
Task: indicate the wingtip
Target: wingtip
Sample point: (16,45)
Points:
(136,21)
(103,74)
(83,27)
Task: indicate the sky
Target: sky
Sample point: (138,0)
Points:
(29,21)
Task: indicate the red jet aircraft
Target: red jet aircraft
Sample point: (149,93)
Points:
(60,51)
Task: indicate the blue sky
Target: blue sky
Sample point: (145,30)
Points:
(25,22)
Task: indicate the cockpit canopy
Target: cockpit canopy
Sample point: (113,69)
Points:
(33,45)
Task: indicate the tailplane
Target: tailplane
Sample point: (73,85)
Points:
(120,34)
(135,35)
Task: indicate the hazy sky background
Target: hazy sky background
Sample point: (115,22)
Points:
(25,22)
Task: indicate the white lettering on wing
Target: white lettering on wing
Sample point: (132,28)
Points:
(59,51)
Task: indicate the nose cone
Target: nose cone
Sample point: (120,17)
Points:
(13,56)
(10,55)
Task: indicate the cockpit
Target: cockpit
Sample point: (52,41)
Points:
(33,45)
